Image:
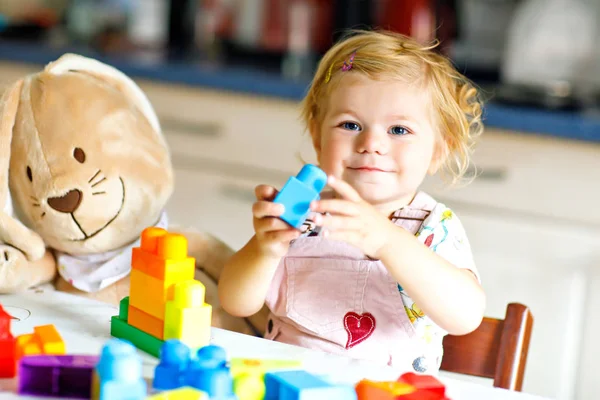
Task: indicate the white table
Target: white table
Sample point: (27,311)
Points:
(85,327)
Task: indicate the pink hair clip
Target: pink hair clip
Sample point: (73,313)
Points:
(348,65)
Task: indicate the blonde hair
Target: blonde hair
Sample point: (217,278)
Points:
(378,54)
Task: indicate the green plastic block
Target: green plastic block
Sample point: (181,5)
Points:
(142,340)
(124,309)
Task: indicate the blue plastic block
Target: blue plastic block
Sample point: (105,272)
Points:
(209,373)
(300,385)
(119,373)
(298,192)
(174,361)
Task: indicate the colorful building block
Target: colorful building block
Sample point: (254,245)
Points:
(372,390)
(45,339)
(187,316)
(163,255)
(118,375)
(248,375)
(209,373)
(8,364)
(184,393)
(300,385)
(62,376)
(298,192)
(175,358)
(119,328)
(427,387)
(160,269)
(160,262)
(146,322)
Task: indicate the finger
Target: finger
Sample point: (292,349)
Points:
(265,192)
(336,222)
(269,224)
(344,189)
(282,236)
(262,209)
(335,206)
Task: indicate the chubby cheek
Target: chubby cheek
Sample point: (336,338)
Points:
(332,157)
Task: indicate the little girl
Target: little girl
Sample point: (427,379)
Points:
(381,271)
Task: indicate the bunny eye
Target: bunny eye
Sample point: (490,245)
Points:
(29,174)
(79,155)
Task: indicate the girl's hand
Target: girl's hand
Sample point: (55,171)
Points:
(273,236)
(353,220)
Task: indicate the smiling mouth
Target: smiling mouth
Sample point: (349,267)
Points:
(89,236)
(368,169)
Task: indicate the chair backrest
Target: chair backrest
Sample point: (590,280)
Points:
(497,349)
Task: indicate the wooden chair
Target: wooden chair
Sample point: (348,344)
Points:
(497,349)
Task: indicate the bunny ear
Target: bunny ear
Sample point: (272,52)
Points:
(73,62)
(9,105)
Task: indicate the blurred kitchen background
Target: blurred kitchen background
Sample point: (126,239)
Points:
(226,78)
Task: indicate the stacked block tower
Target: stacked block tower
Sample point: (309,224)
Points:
(164,302)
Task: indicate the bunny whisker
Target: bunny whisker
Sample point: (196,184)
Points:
(99,182)
(43,214)
(34,198)
(95,193)
(95,175)
(36,204)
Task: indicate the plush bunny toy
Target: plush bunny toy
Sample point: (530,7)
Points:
(84,168)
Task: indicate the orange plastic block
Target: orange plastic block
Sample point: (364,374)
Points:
(187,316)
(45,339)
(371,390)
(148,294)
(50,339)
(163,255)
(146,322)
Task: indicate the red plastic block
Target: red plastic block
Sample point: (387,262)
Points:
(423,382)
(5,320)
(428,387)
(371,390)
(8,363)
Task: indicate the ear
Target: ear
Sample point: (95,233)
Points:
(13,232)
(9,104)
(76,63)
(315,133)
(440,154)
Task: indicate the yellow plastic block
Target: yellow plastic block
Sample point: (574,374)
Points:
(146,322)
(187,317)
(150,294)
(239,366)
(163,255)
(27,345)
(184,393)
(50,339)
(249,387)
(45,339)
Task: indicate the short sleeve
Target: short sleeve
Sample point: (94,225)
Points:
(443,232)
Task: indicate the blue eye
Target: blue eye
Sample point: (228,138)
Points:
(398,130)
(351,126)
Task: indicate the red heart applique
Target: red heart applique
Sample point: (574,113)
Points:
(359,327)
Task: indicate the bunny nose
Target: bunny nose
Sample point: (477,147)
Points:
(67,203)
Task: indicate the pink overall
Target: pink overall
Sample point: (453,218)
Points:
(327,295)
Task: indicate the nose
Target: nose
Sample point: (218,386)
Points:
(67,203)
(372,141)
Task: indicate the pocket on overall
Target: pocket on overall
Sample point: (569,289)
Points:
(322,290)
